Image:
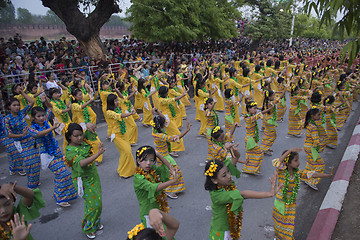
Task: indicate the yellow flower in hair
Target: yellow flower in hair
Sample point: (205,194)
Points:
(205,99)
(327,100)
(339,83)
(286,160)
(320,92)
(216,129)
(253,104)
(293,87)
(133,232)
(141,150)
(152,123)
(267,93)
(231,92)
(212,169)
(313,107)
(301,81)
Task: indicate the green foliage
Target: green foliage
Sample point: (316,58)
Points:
(52,18)
(270,22)
(309,27)
(7,13)
(117,21)
(24,16)
(183,20)
(348,25)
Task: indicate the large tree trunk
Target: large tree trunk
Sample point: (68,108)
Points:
(93,47)
(85,29)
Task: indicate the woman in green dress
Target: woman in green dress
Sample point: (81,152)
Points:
(80,157)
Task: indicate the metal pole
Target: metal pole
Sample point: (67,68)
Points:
(292,28)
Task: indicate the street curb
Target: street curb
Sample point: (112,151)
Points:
(326,219)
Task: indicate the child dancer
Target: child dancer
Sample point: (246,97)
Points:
(162,142)
(287,167)
(51,156)
(331,130)
(28,208)
(313,146)
(80,157)
(270,121)
(294,112)
(144,98)
(254,155)
(81,111)
(119,134)
(150,180)
(227,200)
(231,109)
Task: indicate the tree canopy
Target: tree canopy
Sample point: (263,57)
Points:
(183,20)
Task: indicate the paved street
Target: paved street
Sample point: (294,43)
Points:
(120,206)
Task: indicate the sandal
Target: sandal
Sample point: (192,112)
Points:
(64,204)
(174,154)
(12,173)
(91,235)
(172,195)
(22,173)
(101,227)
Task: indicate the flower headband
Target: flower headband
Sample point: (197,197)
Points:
(152,123)
(327,100)
(313,107)
(133,232)
(320,92)
(205,99)
(212,169)
(141,150)
(339,83)
(253,104)
(231,92)
(216,129)
(293,88)
(286,160)
(301,81)
(267,93)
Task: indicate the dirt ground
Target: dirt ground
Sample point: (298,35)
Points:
(348,223)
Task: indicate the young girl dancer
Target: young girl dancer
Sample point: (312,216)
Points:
(16,128)
(287,167)
(295,128)
(80,157)
(50,154)
(81,111)
(162,142)
(270,121)
(227,200)
(231,109)
(119,134)
(313,147)
(28,208)
(150,180)
(254,155)
(144,98)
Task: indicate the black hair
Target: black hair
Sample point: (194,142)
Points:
(339,85)
(71,128)
(76,83)
(110,101)
(13,89)
(329,99)
(30,86)
(267,95)
(292,155)
(280,79)
(269,63)
(147,234)
(209,184)
(227,93)
(159,123)
(209,100)
(11,100)
(120,85)
(277,64)
(140,84)
(52,91)
(163,90)
(64,81)
(248,105)
(74,92)
(246,72)
(199,83)
(231,72)
(293,90)
(316,97)
(309,114)
(257,68)
(148,150)
(103,82)
(301,82)
(216,135)
(35,110)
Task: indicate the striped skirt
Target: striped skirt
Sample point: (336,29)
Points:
(14,157)
(312,165)
(341,118)
(64,190)
(281,110)
(269,137)
(284,224)
(179,185)
(31,158)
(331,133)
(253,160)
(295,123)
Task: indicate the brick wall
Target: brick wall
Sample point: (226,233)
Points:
(54,32)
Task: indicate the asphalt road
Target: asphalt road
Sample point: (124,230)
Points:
(120,206)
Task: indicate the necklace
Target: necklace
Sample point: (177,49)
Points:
(50,144)
(122,122)
(295,190)
(235,221)
(61,105)
(152,176)
(6,234)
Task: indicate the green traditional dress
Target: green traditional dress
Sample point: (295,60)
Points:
(146,191)
(30,213)
(87,182)
(220,227)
